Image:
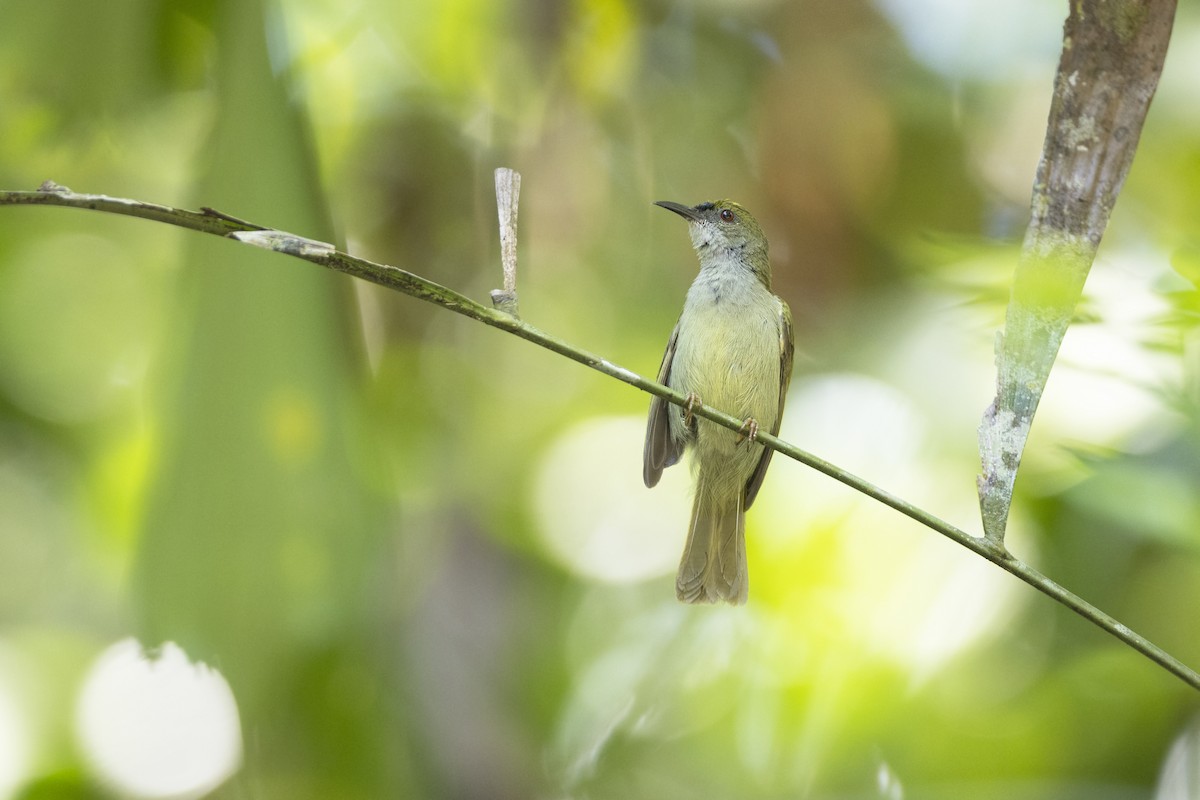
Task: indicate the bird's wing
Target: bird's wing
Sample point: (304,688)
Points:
(787,345)
(661,451)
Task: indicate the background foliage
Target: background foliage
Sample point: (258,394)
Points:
(420,552)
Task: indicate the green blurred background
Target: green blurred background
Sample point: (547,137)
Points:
(419,551)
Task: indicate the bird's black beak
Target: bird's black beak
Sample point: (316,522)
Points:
(687,213)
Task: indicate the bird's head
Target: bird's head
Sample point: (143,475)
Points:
(722,231)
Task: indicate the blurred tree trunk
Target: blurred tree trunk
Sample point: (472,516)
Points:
(1112,55)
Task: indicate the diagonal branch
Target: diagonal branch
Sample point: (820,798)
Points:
(208,220)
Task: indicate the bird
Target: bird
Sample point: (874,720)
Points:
(732,350)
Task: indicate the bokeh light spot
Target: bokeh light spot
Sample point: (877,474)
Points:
(960,38)
(887,587)
(14,743)
(157,727)
(594,514)
(292,425)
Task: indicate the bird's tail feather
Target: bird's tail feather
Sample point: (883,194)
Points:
(713,567)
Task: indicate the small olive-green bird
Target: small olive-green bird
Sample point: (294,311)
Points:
(732,350)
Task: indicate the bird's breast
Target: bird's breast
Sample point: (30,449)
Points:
(728,348)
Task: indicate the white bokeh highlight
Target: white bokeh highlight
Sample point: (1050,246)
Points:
(1180,775)
(157,727)
(898,591)
(14,741)
(1109,387)
(595,516)
(978,38)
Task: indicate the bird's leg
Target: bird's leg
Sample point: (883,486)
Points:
(693,400)
(748,431)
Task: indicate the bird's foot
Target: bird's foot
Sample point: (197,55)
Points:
(693,400)
(748,431)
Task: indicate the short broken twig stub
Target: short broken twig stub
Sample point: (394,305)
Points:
(508,193)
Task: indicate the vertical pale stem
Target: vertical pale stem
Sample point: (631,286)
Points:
(508,193)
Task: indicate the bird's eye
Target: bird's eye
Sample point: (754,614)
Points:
(726,215)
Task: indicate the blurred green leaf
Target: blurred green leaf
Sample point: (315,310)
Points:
(262,536)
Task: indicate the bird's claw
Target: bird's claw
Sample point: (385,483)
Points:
(693,400)
(748,431)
